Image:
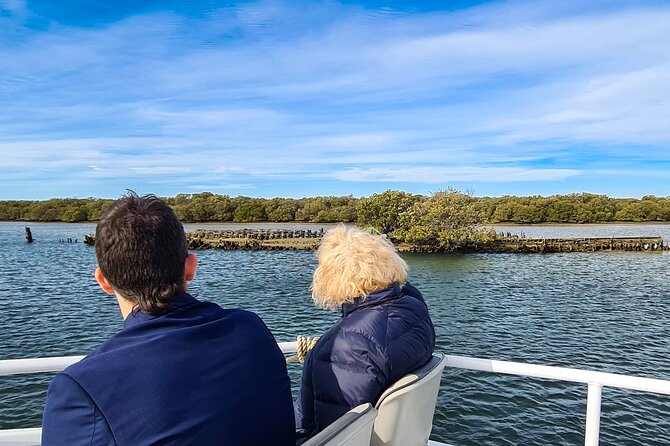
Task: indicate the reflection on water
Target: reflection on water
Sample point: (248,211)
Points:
(604,311)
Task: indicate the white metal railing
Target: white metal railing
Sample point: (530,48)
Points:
(595,380)
(36,365)
(58,363)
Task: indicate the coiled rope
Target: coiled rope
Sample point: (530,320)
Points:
(305,344)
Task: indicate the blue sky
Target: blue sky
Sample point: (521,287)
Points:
(306,98)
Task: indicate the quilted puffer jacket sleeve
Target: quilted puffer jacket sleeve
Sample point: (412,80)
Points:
(354,371)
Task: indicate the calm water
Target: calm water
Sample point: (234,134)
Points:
(604,311)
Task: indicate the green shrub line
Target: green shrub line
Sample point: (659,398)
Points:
(446,221)
(380,210)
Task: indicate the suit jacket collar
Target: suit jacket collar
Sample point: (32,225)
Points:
(178,300)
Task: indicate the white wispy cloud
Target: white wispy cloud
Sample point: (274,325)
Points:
(506,92)
(16,8)
(446,175)
(224,187)
(160,170)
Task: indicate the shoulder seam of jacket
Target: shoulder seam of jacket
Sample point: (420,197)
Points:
(95,406)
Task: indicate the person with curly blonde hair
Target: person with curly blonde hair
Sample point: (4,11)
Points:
(384,333)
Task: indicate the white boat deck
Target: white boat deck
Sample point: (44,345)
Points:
(594,380)
(32,437)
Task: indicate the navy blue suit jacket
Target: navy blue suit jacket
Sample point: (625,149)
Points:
(198,375)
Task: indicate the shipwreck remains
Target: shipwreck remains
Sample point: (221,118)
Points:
(255,239)
(554,245)
(288,239)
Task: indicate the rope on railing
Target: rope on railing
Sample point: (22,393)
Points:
(305,344)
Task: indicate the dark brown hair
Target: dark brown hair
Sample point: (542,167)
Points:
(141,248)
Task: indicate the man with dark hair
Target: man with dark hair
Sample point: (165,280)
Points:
(181,371)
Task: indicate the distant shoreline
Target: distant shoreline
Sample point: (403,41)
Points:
(299,223)
(375,210)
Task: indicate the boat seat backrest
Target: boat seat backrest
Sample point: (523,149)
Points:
(406,408)
(351,429)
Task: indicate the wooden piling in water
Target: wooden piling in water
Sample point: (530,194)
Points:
(29,235)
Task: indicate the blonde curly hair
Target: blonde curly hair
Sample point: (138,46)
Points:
(353,263)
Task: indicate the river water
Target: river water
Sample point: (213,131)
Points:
(601,311)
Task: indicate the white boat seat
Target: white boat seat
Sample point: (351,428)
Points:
(351,429)
(406,408)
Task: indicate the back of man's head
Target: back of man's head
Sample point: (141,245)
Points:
(141,249)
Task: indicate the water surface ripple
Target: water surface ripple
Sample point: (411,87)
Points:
(601,311)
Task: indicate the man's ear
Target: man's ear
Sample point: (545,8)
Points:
(190,265)
(102,281)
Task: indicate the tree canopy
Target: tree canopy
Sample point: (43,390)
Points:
(447,220)
(382,211)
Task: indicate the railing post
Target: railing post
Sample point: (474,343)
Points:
(592,432)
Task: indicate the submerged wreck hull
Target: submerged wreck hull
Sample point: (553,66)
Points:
(288,240)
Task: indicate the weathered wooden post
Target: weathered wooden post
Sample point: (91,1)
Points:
(29,235)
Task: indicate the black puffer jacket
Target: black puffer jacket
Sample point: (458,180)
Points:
(377,341)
